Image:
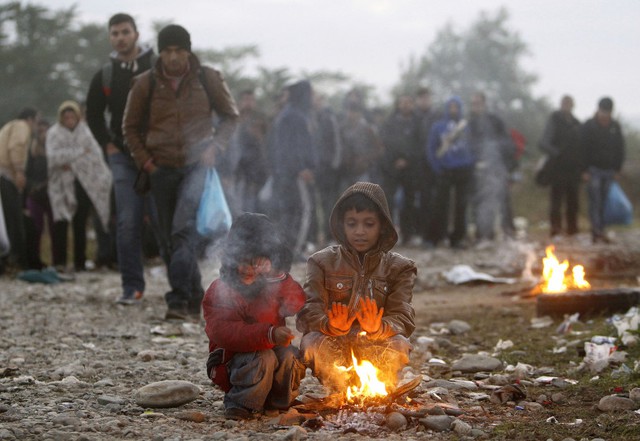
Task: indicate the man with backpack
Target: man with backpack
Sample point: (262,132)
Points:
(168,126)
(108,92)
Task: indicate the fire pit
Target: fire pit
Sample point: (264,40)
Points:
(588,302)
(559,294)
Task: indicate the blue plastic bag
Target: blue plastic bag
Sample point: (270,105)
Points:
(214,216)
(617,207)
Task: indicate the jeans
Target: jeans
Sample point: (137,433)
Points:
(177,193)
(597,189)
(323,353)
(268,378)
(130,214)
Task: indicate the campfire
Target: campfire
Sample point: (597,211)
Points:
(562,292)
(367,386)
(555,278)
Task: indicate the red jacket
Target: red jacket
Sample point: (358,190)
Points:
(238,324)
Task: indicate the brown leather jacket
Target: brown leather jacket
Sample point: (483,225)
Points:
(335,274)
(180,123)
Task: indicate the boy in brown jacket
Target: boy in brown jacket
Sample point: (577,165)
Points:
(355,286)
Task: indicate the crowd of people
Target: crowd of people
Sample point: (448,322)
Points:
(352,181)
(137,155)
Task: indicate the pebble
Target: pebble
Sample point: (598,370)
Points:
(191,415)
(613,403)
(167,393)
(396,421)
(458,327)
(110,399)
(461,428)
(634,394)
(439,423)
(296,433)
(476,363)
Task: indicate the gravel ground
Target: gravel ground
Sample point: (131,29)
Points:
(71,359)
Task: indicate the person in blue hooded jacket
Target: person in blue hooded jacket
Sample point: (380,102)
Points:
(452,160)
(293,162)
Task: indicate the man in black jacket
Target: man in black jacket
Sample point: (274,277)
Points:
(604,151)
(108,91)
(561,142)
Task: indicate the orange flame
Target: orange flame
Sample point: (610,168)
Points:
(553,274)
(367,375)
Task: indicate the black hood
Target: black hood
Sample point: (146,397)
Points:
(300,95)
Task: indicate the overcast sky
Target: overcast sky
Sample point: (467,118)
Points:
(588,48)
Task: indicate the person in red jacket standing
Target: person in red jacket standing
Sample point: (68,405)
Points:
(250,355)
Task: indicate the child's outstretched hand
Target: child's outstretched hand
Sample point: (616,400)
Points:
(339,317)
(369,316)
(282,336)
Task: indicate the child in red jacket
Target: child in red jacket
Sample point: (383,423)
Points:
(250,356)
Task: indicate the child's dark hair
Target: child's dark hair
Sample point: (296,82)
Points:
(358,202)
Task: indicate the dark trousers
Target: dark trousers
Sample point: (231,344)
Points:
(177,193)
(14,221)
(409,181)
(39,211)
(452,183)
(79,227)
(564,191)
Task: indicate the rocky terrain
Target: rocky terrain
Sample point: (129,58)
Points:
(74,365)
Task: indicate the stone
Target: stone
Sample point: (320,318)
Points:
(436,410)
(110,399)
(458,327)
(558,398)
(146,355)
(167,393)
(476,363)
(296,433)
(533,407)
(191,415)
(461,428)
(614,403)
(438,423)
(396,421)
(452,385)
(634,394)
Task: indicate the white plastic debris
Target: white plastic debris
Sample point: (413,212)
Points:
(502,345)
(541,322)
(460,274)
(597,355)
(565,326)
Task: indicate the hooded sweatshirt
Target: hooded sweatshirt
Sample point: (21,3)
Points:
(291,147)
(75,154)
(459,154)
(338,274)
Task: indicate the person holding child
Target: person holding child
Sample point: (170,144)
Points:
(250,355)
(358,293)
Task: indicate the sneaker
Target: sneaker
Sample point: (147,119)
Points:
(237,413)
(133,298)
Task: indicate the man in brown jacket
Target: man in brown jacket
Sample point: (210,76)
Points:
(168,128)
(15,140)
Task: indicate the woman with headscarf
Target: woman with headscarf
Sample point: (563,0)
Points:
(78,180)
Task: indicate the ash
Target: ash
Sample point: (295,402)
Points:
(368,421)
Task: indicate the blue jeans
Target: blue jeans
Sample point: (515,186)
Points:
(130,213)
(177,193)
(268,378)
(322,353)
(597,189)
